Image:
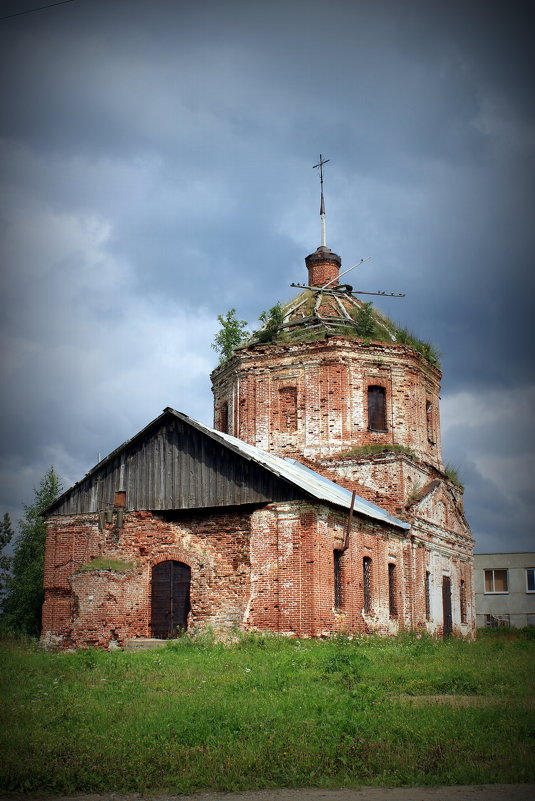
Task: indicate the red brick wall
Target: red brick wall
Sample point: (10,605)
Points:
(94,607)
(331,380)
(270,569)
(292,574)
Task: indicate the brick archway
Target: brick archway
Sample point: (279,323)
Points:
(176,554)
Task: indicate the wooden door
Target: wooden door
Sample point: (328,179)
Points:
(170,602)
(447,627)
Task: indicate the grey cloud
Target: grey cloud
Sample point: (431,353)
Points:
(157,170)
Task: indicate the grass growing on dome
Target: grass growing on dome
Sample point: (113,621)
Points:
(427,349)
(369,325)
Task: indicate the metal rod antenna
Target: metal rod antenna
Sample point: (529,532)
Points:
(382,294)
(346,271)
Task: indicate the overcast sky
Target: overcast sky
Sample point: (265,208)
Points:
(157,171)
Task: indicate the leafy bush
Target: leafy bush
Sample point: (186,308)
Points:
(232,334)
(272,321)
(365,323)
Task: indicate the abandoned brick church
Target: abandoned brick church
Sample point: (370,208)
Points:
(318,502)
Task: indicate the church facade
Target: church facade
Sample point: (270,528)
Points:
(318,503)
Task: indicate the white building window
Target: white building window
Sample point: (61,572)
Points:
(530,579)
(496,581)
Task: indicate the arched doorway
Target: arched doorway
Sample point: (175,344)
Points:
(170,602)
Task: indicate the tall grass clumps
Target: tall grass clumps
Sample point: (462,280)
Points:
(428,350)
(370,450)
(453,474)
(260,711)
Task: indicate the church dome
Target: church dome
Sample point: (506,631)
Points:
(327,374)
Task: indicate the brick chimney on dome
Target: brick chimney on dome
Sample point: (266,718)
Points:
(323,267)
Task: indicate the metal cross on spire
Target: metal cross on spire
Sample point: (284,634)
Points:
(320,164)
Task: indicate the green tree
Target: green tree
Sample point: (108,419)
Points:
(271,323)
(365,321)
(6,535)
(21,607)
(232,334)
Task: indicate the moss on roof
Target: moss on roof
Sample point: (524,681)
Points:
(312,315)
(363,322)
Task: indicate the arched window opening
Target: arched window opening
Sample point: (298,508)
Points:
(337,554)
(367,583)
(392,590)
(223,418)
(288,408)
(377,408)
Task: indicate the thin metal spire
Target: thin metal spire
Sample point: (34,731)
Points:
(320,164)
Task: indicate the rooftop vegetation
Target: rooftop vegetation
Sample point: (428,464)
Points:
(369,450)
(367,324)
(102,563)
(453,474)
(231,335)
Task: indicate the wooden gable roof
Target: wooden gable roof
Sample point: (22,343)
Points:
(171,464)
(179,463)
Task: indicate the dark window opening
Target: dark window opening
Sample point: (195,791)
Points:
(288,408)
(392,604)
(495,621)
(462,593)
(428,595)
(337,579)
(376,408)
(223,418)
(367,583)
(530,579)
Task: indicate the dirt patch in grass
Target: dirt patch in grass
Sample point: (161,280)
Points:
(463,700)
(451,700)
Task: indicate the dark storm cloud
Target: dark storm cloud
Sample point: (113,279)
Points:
(157,170)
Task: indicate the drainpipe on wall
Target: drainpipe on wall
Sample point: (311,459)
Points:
(345,544)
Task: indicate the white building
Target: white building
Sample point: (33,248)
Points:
(505,589)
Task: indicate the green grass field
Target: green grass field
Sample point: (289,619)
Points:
(269,712)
